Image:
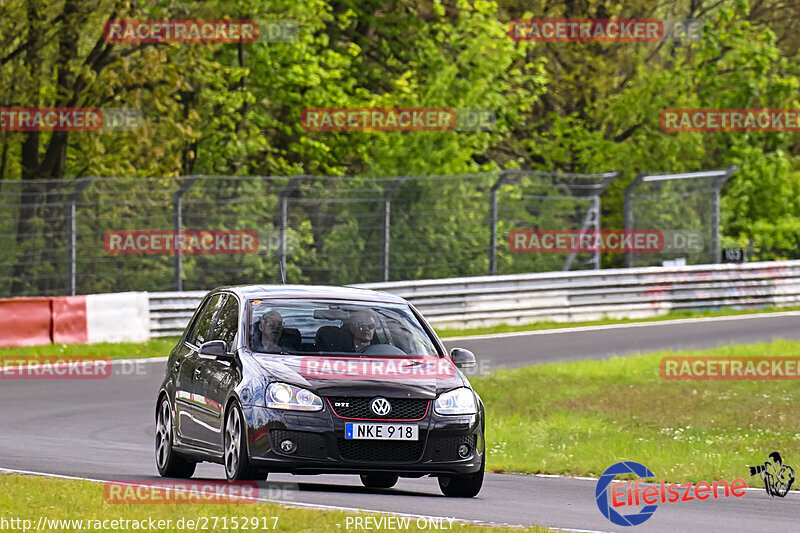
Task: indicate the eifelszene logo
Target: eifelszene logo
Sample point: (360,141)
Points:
(777,477)
(601,494)
(649,494)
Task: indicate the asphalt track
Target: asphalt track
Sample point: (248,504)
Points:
(103,429)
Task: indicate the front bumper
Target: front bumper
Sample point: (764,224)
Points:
(322,448)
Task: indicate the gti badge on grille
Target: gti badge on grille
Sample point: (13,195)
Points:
(380,406)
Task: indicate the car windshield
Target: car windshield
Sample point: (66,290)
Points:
(330,327)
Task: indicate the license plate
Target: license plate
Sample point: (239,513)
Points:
(355,430)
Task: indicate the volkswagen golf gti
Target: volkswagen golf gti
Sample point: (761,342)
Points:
(315,380)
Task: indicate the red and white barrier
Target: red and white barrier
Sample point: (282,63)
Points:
(116,317)
(25,321)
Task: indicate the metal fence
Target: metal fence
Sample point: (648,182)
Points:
(683,206)
(560,296)
(551,201)
(311,229)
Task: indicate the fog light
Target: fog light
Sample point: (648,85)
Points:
(463,451)
(287,446)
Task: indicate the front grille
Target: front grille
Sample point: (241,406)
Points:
(446,448)
(402,408)
(380,451)
(308,444)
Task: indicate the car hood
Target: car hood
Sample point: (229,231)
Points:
(412,377)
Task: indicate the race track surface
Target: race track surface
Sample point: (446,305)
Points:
(103,429)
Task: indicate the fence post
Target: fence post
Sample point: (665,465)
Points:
(493,222)
(716,251)
(387,214)
(177,215)
(592,219)
(628,213)
(80,186)
(284,207)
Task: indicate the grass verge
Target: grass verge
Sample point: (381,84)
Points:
(672,315)
(158,347)
(579,418)
(32,497)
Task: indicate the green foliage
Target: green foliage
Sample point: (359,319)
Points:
(234,109)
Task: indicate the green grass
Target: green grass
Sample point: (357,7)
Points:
(672,315)
(31,497)
(579,418)
(158,347)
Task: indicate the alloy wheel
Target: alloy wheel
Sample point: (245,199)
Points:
(233,432)
(163,434)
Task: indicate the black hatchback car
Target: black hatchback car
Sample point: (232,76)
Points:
(313,380)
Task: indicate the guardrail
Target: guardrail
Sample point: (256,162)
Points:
(559,296)
(171,311)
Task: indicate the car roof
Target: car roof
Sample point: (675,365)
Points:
(311,292)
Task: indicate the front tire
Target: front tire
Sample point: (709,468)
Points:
(236,459)
(463,486)
(169,463)
(379,480)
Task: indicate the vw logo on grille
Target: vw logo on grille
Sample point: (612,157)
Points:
(380,406)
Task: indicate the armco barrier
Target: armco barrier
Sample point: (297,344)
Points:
(591,295)
(559,296)
(171,311)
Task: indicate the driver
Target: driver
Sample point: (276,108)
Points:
(269,335)
(362,327)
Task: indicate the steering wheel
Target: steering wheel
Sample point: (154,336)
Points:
(382,349)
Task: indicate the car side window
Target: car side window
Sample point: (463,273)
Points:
(201,332)
(227,323)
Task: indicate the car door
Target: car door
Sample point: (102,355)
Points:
(217,377)
(188,398)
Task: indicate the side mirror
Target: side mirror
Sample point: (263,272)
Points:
(463,358)
(216,349)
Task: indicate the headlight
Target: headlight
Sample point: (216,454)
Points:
(284,396)
(456,402)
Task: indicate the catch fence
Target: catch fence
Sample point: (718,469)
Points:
(55,235)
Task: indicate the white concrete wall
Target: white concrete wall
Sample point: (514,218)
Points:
(118,317)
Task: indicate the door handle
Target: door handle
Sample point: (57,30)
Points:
(197,372)
(177,364)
